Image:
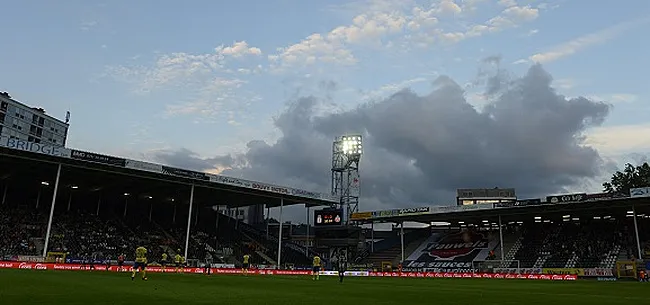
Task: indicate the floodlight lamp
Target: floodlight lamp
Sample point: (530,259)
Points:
(351,145)
(74,187)
(45,183)
(126,194)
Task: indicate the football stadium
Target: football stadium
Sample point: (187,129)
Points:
(71,222)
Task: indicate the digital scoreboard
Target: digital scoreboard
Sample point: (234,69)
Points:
(328,217)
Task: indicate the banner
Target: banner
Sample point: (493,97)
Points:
(599,272)
(414,211)
(97,158)
(640,192)
(39,148)
(519,270)
(566,198)
(572,271)
(226,271)
(527,202)
(143,166)
(361,216)
(184,173)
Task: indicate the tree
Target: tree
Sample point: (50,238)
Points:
(631,177)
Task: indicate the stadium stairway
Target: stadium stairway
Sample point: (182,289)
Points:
(390,249)
(264,256)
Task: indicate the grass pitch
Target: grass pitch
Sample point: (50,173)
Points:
(22,287)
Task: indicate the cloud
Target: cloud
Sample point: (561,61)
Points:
(616,98)
(387,24)
(419,149)
(210,90)
(571,47)
(88,25)
(181,69)
(616,140)
(238,49)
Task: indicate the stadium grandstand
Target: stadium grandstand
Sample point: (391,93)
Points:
(97,207)
(589,235)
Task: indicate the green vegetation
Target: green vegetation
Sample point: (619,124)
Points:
(22,287)
(630,177)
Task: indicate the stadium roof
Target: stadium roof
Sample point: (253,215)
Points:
(27,163)
(480,212)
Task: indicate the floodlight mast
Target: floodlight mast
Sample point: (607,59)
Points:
(346,153)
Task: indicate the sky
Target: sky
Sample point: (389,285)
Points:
(544,96)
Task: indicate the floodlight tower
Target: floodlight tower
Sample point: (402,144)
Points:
(346,153)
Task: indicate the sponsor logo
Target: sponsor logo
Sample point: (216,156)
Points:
(40,267)
(145,166)
(640,192)
(414,210)
(304,193)
(457,244)
(93,157)
(275,189)
(566,198)
(35,147)
(527,202)
(24,266)
(562,271)
(184,173)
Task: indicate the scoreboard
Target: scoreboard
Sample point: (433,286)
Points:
(328,217)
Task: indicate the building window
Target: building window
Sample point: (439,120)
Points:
(32,129)
(2,118)
(54,140)
(30,139)
(41,120)
(4,106)
(37,140)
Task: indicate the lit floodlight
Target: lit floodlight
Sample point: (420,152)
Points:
(45,183)
(351,145)
(74,187)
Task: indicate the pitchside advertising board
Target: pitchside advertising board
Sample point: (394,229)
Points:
(328,218)
(226,271)
(57,151)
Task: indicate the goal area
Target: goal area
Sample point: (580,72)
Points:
(497,266)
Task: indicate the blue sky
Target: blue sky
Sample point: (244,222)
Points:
(140,76)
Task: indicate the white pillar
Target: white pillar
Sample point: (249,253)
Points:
(189,221)
(636,232)
(174,215)
(372,236)
(503,255)
(196,217)
(150,209)
(38,197)
(280,233)
(126,205)
(49,222)
(99,204)
(401,233)
(268,217)
(308,239)
(4,194)
(236,217)
(69,201)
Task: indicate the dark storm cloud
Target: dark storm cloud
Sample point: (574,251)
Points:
(420,149)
